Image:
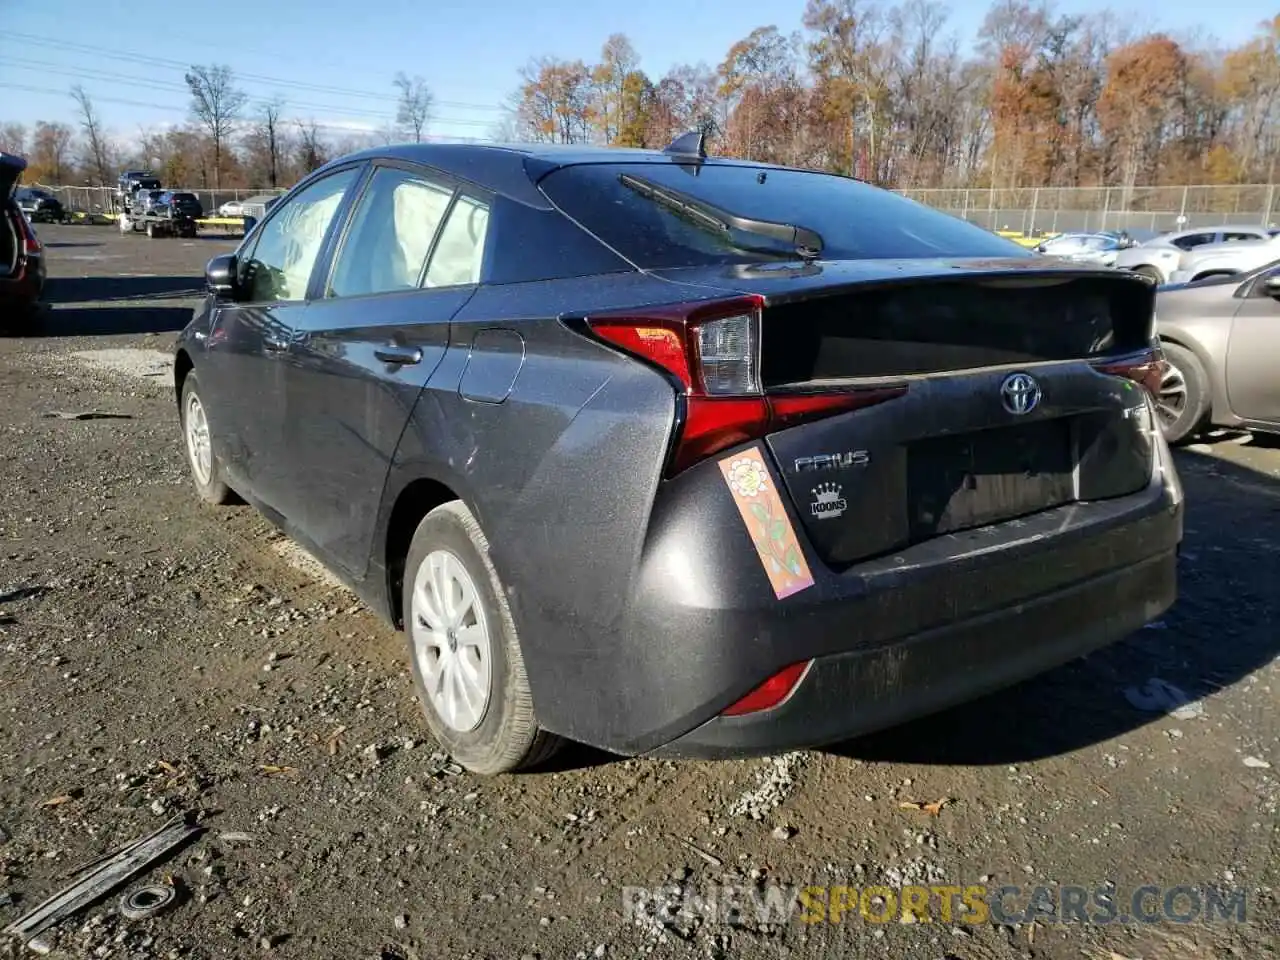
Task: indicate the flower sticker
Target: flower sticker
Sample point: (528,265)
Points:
(747,478)
(767,523)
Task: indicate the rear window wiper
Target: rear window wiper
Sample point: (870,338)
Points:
(804,243)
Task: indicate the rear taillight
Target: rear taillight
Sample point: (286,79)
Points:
(1146,369)
(30,242)
(713,351)
(771,693)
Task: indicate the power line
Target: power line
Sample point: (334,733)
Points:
(168,87)
(183,67)
(325,127)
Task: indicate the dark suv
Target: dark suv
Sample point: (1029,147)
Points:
(22,267)
(678,455)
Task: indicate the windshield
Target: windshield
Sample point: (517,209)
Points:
(854,220)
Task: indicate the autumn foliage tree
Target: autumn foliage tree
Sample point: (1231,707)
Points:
(879,89)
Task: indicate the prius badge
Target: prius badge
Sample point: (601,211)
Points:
(1019,393)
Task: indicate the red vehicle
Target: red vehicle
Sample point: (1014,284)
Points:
(22,266)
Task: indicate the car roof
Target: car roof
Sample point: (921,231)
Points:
(513,168)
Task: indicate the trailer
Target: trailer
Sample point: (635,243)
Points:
(168,223)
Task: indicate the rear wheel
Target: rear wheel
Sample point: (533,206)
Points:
(206,471)
(1183,401)
(464,652)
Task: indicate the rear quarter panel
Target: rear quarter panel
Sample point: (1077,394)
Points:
(1202,324)
(557,446)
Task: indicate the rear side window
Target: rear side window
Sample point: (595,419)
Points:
(1236,235)
(854,220)
(459,253)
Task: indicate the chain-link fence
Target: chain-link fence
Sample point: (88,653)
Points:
(1031,211)
(1046,210)
(90,200)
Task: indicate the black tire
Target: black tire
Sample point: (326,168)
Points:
(1180,422)
(507,737)
(1151,273)
(214,490)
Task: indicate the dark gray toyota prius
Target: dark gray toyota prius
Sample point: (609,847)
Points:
(678,455)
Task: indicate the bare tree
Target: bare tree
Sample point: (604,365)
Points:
(311,153)
(414,109)
(13,138)
(269,131)
(215,104)
(95,142)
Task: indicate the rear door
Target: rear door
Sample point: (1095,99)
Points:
(249,341)
(375,331)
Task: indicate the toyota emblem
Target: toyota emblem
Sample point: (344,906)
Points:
(1020,393)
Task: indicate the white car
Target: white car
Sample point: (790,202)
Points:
(232,208)
(1093,248)
(1225,259)
(1159,257)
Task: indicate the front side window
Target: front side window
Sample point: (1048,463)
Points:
(1235,235)
(459,253)
(390,236)
(280,265)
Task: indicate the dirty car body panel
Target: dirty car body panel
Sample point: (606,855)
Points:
(955,435)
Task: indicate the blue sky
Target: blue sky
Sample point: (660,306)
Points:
(337,59)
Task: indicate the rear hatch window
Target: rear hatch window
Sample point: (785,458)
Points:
(853,219)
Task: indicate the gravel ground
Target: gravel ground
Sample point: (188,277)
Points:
(157,656)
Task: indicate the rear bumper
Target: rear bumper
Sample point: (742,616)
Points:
(892,639)
(847,695)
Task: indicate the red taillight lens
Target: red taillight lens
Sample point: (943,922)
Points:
(30,242)
(713,350)
(1146,369)
(770,693)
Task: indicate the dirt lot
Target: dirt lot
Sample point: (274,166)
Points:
(157,655)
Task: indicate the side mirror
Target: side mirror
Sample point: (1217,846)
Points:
(220,276)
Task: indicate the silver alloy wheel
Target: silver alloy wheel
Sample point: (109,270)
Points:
(1171,402)
(199,447)
(451,641)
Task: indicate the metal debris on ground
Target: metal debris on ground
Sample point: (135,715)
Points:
(117,869)
(86,415)
(934,807)
(9,594)
(694,848)
(1160,696)
(147,901)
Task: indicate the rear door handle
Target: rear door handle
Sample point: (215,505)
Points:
(398,353)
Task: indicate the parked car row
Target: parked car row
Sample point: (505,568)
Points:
(1179,257)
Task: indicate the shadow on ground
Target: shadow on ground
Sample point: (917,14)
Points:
(1219,631)
(114,321)
(110,306)
(65,290)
